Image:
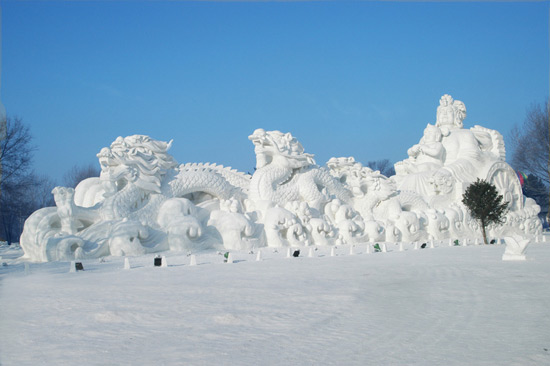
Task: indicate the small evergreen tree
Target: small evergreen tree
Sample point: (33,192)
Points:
(485,204)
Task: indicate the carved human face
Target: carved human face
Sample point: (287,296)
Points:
(445,116)
(442,182)
(432,134)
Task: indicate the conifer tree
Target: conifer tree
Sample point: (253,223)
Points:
(485,204)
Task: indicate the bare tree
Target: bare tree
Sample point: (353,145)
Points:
(535,189)
(21,191)
(384,166)
(19,201)
(3,127)
(41,195)
(78,173)
(15,153)
(531,143)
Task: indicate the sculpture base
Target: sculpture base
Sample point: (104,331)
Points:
(513,257)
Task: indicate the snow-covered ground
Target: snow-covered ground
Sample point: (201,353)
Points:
(441,306)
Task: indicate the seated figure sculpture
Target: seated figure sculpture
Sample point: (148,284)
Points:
(461,155)
(427,155)
(468,154)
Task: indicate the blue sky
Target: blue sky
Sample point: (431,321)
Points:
(346,78)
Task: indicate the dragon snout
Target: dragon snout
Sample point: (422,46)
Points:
(258,135)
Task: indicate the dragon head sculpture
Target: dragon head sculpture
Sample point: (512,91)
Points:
(136,159)
(360,179)
(275,147)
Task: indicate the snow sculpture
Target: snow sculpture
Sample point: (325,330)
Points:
(284,173)
(144,201)
(450,157)
(458,157)
(428,154)
(289,191)
(235,226)
(515,248)
(64,200)
(378,201)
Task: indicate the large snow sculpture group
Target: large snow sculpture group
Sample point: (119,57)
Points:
(144,201)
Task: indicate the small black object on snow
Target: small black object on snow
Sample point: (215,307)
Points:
(493,241)
(158,261)
(296,253)
(78,266)
(423,246)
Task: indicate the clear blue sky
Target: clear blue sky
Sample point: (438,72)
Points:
(346,78)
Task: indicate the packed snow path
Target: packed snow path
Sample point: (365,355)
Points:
(442,306)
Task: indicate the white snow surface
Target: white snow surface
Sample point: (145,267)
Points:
(442,306)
